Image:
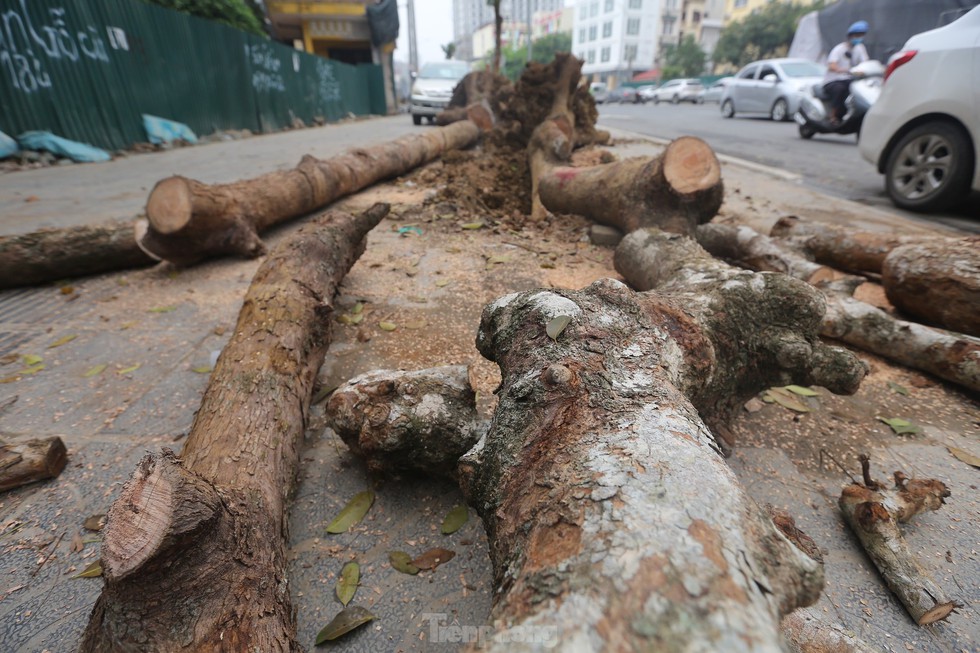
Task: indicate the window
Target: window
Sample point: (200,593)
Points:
(594,10)
(748,72)
(607,30)
(636,4)
(583,12)
(592,32)
(767,70)
(741,3)
(633,26)
(669,25)
(696,17)
(629,53)
(581,35)
(605,54)
(609,5)
(591,57)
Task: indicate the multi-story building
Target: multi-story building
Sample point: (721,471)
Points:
(472,15)
(552,22)
(334,29)
(511,33)
(702,19)
(616,38)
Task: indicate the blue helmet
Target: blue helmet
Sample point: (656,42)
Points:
(860,27)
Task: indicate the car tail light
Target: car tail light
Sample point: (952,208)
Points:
(900,59)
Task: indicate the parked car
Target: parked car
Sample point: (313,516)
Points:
(624,94)
(713,92)
(599,91)
(773,86)
(678,90)
(646,92)
(923,133)
(433,88)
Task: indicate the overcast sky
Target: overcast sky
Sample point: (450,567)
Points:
(433,28)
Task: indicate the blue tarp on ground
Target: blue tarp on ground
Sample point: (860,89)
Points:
(160,130)
(8,146)
(38,140)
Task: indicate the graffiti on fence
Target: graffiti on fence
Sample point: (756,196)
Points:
(19,37)
(265,68)
(328,88)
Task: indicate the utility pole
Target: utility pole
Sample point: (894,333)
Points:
(413,53)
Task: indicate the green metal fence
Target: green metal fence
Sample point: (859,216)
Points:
(88,69)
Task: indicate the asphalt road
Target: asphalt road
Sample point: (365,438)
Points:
(829,163)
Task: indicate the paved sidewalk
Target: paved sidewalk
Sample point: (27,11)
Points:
(157,329)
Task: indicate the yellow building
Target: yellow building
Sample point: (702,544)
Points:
(739,9)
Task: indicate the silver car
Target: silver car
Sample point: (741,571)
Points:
(678,90)
(772,86)
(433,88)
(714,92)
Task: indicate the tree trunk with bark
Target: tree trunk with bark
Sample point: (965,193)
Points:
(951,356)
(939,285)
(29,461)
(51,254)
(611,515)
(190,221)
(194,554)
(873,512)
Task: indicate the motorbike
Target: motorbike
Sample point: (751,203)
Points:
(813,116)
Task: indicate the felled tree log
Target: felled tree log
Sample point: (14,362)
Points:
(478,88)
(52,254)
(190,221)
(612,517)
(938,284)
(843,248)
(951,356)
(407,421)
(193,556)
(873,512)
(29,461)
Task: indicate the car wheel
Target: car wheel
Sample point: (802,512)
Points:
(430,119)
(780,111)
(807,132)
(700,100)
(675,100)
(728,109)
(929,169)
(656,99)
(416,120)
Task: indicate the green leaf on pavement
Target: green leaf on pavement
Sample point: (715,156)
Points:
(900,426)
(556,325)
(61,341)
(352,513)
(473,225)
(127,370)
(94,570)
(786,400)
(900,389)
(455,519)
(350,576)
(163,309)
(31,359)
(803,392)
(95,371)
(402,562)
(387,326)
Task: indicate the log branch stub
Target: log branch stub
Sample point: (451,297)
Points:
(29,461)
(675,191)
(190,221)
(401,421)
(937,283)
(873,513)
(612,518)
(195,549)
(51,254)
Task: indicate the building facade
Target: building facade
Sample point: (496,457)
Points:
(616,38)
(469,16)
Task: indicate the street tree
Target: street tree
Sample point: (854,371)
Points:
(545,49)
(498,22)
(449,50)
(239,14)
(683,60)
(767,32)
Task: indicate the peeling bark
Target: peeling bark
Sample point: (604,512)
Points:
(194,552)
(29,461)
(950,356)
(190,221)
(937,284)
(51,254)
(873,512)
(407,421)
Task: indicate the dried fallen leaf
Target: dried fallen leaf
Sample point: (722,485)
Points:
(94,570)
(900,389)
(352,513)
(31,359)
(495,260)
(455,519)
(442,283)
(348,619)
(556,325)
(127,370)
(965,456)
(94,523)
(163,309)
(387,326)
(77,543)
(416,324)
(203,369)
(10,379)
(95,371)
(800,390)
(61,341)
(402,562)
(900,426)
(350,576)
(753,405)
(433,558)
(785,400)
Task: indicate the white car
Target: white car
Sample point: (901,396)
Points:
(433,88)
(923,133)
(678,90)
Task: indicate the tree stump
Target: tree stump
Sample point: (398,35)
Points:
(29,461)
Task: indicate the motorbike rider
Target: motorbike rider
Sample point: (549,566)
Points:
(843,57)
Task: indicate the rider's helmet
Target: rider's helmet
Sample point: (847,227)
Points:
(860,27)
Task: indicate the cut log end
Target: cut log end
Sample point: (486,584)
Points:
(939,612)
(170,205)
(31,461)
(690,166)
